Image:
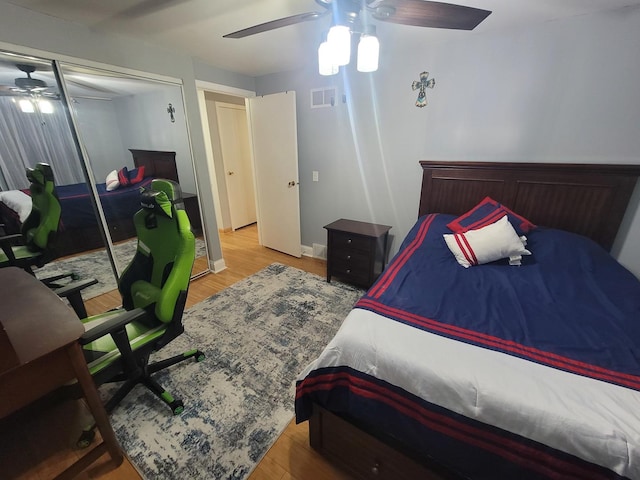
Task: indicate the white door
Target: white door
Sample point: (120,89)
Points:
(236,157)
(272,120)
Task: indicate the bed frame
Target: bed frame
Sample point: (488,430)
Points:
(586,199)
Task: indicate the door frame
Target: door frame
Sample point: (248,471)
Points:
(203,87)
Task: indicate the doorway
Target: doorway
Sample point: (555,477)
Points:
(236,159)
(272,138)
(214,141)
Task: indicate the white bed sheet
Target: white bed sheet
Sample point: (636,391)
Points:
(593,420)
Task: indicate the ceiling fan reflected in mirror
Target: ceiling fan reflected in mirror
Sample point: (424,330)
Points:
(348,17)
(29,85)
(34,92)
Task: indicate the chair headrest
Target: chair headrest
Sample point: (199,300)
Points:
(162,195)
(40,174)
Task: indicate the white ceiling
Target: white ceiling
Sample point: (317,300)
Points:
(195,27)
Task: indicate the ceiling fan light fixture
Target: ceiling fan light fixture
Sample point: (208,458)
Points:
(339,40)
(368,52)
(325,60)
(45,106)
(26,106)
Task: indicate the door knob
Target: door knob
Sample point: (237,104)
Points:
(292,183)
(230,172)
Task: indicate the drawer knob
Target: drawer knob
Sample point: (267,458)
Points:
(375,470)
(348,240)
(348,257)
(348,270)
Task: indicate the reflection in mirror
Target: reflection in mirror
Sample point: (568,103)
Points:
(133,130)
(34,128)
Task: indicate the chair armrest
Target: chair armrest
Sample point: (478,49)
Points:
(117,322)
(9,239)
(71,291)
(71,288)
(5,243)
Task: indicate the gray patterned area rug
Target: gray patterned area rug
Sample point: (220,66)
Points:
(96,265)
(257,336)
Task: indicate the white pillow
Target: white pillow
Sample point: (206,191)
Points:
(487,244)
(112,181)
(18,201)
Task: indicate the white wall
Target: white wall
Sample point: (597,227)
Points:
(98,125)
(563,91)
(146,125)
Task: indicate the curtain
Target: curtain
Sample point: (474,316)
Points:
(29,138)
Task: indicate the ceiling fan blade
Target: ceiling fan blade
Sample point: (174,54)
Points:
(273,24)
(422,13)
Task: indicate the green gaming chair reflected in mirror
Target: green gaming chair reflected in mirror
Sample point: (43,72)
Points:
(154,288)
(35,245)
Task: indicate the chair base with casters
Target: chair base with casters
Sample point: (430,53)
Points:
(144,378)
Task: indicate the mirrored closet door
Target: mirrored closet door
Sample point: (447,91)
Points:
(35,128)
(106,122)
(133,129)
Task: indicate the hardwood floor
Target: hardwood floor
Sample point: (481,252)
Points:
(38,443)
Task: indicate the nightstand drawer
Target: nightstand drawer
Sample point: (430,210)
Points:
(353,260)
(355,275)
(348,241)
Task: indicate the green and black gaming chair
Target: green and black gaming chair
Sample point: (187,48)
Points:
(34,246)
(154,287)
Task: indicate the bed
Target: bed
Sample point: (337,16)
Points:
(79,230)
(494,371)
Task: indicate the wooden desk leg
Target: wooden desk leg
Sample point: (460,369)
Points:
(95,404)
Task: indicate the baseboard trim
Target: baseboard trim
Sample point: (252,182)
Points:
(218,265)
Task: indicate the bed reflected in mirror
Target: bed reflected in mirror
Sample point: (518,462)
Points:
(129,130)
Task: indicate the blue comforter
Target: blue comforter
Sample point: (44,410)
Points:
(570,305)
(77,209)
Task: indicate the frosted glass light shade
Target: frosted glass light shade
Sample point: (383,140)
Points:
(368,53)
(45,106)
(325,60)
(26,106)
(339,39)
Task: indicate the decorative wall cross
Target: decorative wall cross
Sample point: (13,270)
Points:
(171,111)
(422,84)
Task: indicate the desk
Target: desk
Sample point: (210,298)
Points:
(39,351)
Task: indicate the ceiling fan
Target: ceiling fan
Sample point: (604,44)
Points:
(420,13)
(29,85)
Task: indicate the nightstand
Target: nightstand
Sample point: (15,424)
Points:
(356,251)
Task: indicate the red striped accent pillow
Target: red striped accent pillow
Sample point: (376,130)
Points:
(488,244)
(487,212)
(123,176)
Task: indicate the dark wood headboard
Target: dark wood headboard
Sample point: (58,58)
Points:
(156,163)
(589,199)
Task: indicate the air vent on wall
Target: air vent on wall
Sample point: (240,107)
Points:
(323,97)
